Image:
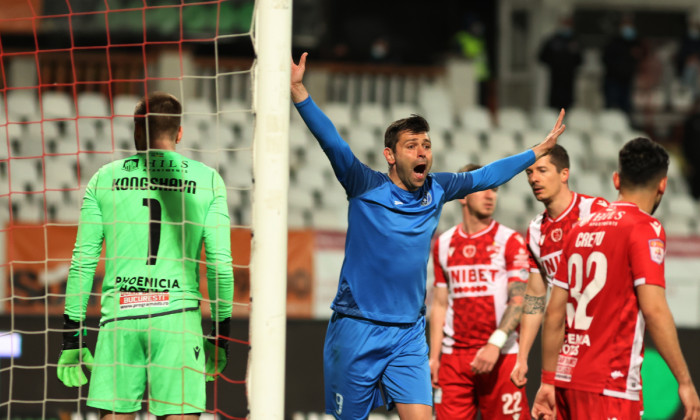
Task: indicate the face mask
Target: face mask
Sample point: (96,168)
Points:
(628,32)
(566,32)
(378,51)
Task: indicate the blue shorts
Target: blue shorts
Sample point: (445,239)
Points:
(360,355)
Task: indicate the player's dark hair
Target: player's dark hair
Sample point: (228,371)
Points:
(163,119)
(642,162)
(413,124)
(473,167)
(559,158)
(470,167)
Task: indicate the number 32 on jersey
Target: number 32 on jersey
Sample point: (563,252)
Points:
(596,269)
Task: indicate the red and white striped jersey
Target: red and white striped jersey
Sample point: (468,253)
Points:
(477,269)
(545,235)
(604,259)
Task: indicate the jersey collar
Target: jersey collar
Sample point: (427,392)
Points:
(482,232)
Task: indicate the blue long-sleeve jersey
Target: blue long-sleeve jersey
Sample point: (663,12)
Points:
(387,246)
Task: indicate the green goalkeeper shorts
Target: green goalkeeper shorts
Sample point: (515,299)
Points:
(165,351)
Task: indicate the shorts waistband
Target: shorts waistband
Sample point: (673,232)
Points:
(123,318)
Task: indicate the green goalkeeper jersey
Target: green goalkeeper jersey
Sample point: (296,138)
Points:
(154,211)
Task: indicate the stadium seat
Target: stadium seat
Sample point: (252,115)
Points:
(309,178)
(28,208)
(453,162)
(503,142)
(299,136)
(26,140)
(123,106)
(199,111)
(465,143)
(300,197)
(23,105)
(579,119)
(340,114)
(61,171)
(372,115)
(363,140)
(297,219)
(90,163)
(543,119)
(334,197)
(613,121)
(398,111)
(330,219)
(605,148)
(683,206)
(93,104)
(590,183)
(438,108)
(476,119)
(512,120)
(56,104)
(678,226)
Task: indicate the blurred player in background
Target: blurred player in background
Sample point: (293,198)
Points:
(549,179)
(376,334)
(609,287)
(481,269)
(154,211)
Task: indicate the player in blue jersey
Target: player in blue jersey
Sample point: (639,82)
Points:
(376,336)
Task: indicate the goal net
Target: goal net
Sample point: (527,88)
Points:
(71,73)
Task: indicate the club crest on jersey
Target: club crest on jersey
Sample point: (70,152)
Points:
(469,251)
(427,199)
(657,250)
(493,249)
(557,234)
(130,165)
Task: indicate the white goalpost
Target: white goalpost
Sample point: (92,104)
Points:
(266,367)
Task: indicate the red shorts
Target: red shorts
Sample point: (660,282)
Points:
(575,404)
(464,392)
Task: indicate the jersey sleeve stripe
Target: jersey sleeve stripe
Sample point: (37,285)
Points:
(560,284)
(640,281)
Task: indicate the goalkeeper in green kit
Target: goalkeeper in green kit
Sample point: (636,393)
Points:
(154,211)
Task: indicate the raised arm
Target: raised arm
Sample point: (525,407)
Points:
(551,139)
(299,92)
(662,329)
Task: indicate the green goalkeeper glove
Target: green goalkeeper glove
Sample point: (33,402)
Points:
(216,347)
(69,370)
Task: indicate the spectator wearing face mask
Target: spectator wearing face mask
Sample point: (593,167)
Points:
(688,57)
(621,59)
(561,54)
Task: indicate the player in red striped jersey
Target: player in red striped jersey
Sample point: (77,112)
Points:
(480,271)
(608,288)
(549,179)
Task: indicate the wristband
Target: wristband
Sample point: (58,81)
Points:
(498,338)
(72,334)
(547,377)
(224,329)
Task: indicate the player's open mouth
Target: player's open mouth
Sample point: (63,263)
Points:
(419,170)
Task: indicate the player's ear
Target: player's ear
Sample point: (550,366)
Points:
(564,174)
(178,138)
(616,180)
(662,185)
(389,156)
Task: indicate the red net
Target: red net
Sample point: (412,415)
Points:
(71,73)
